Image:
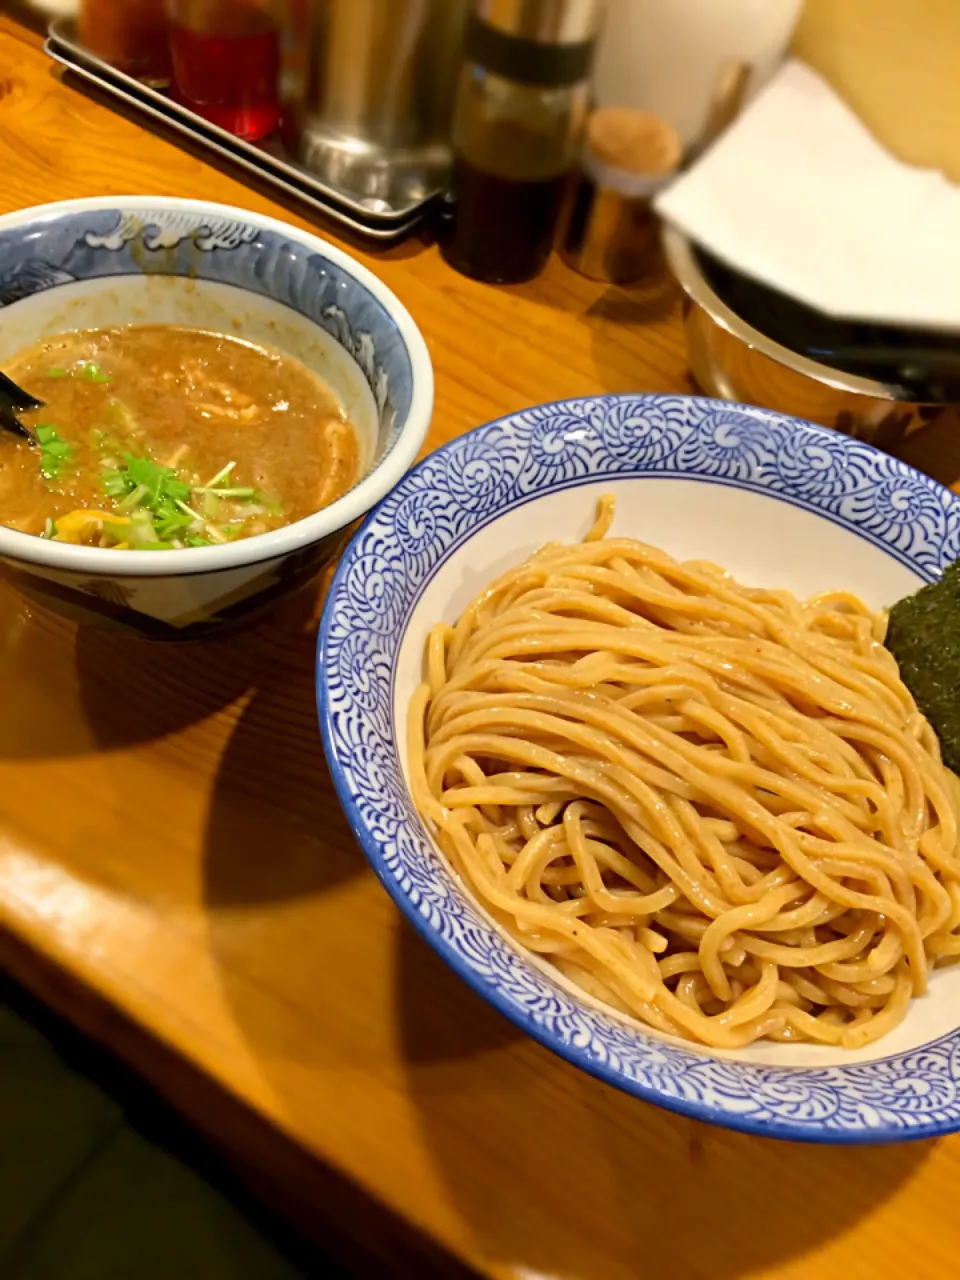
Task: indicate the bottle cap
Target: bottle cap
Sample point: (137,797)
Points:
(548,43)
(634,141)
(634,153)
(544,21)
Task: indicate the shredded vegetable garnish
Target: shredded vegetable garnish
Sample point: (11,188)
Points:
(160,486)
(220,476)
(245,494)
(154,507)
(192,437)
(157,510)
(156,499)
(85,369)
(56,456)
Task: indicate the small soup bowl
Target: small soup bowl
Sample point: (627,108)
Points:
(86,264)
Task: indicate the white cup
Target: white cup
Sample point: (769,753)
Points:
(683,59)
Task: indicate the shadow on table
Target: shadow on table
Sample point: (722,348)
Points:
(634,1190)
(69,690)
(285,922)
(280,862)
(275,830)
(615,319)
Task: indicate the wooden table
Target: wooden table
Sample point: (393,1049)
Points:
(177,877)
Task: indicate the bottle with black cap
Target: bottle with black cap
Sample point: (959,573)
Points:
(520,110)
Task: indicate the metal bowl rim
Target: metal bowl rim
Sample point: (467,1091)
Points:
(684,265)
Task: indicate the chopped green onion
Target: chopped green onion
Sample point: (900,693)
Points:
(56,373)
(49,529)
(116,530)
(212,505)
(172,525)
(161,482)
(162,513)
(221,475)
(241,494)
(189,511)
(141,530)
(56,456)
(133,498)
(93,373)
(114,484)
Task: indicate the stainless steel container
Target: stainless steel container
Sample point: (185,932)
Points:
(730,359)
(372,113)
(544,21)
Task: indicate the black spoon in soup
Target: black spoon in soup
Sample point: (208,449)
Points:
(14,400)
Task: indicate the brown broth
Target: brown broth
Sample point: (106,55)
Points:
(185,398)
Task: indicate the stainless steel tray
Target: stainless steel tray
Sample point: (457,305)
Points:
(269,161)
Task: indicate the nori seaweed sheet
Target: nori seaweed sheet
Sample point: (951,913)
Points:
(924,636)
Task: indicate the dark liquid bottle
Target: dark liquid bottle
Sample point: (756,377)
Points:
(503,227)
(521,105)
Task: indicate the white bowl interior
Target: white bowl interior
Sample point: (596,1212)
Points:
(762,540)
(200,304)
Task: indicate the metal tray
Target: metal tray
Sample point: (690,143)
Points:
(268,160)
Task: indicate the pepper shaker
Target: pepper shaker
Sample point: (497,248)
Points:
(611,231)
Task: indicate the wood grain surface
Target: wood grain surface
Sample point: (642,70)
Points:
(177,876)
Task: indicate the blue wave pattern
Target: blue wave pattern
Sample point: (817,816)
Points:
(112,242)
(449,496)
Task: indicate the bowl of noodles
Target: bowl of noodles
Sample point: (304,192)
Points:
(605,695)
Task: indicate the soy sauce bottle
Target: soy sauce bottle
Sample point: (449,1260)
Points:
(519,115)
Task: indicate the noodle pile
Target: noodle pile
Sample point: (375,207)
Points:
(713,807)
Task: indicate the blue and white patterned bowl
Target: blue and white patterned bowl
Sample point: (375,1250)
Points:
(780,503)
(137,259)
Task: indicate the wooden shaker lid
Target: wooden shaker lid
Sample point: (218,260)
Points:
(633,141)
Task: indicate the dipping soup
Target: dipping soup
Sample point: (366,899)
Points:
(159,437)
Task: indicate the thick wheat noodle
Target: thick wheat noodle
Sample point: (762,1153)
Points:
(714,807)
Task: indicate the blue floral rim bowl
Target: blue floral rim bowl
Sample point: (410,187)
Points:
(84,264)
(778,502)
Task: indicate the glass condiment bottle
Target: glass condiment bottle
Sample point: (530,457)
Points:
(519,114)
(226,62)
(130,35)
(611,231)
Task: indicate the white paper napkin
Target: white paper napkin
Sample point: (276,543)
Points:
(798,194)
